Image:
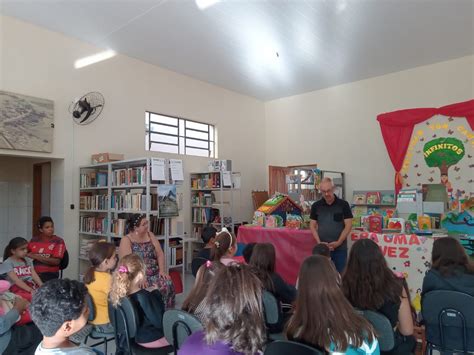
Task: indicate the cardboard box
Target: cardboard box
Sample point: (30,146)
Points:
(100,158)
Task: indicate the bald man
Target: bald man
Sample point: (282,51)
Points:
(331,223)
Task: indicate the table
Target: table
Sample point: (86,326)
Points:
(406,253)
(292,246)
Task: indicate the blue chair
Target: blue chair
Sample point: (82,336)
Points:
(285,347)
(449,321)
(178,325)
(103,337)
(273,316)
(125,322)
(383,328)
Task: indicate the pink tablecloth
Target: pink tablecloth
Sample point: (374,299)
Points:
(291,246)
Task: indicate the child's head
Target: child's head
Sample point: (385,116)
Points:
(17,247)
(321,305)
(322,249)
(138,224)
(130,271)
(208,234)
(367,280)
(448,257)
(59,308)
(46,226)
(225,244)
(101,254)
(247,252)
(204,276)
(232,309)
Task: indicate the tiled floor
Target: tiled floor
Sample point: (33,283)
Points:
(188,284)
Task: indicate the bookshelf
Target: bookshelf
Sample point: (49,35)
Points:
(109,194)
(366,202)
(214,200)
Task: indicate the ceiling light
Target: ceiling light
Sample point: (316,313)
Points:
(204,4)
(341,5)
(92,59)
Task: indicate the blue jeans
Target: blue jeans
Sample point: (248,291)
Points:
(339,258)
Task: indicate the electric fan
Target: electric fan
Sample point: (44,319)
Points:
(87,108)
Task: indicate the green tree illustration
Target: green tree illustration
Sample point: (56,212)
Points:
(443,153)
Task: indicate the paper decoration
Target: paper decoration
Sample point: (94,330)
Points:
(158,169)
(176,167)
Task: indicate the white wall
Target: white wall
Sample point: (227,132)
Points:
(39,63)
(337,127)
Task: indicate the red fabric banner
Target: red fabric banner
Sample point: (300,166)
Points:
(397,128)
(292,246)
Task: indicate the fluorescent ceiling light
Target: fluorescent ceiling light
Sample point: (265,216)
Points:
(92,59)
(204,4)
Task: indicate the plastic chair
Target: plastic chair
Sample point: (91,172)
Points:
(449,321)
(63,264)
(383,328)
(285,347)
(178,325)
(125,322)
(273,315)
(103,337)
(196,263)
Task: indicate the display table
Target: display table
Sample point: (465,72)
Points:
(406,253)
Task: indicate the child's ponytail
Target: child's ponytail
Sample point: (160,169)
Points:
(127,270)
(223,242)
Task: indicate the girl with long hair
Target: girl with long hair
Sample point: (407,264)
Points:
(451,268)
(232,313)
(263,265)
(204,276)
(126,281)
(369,284)
(323,317)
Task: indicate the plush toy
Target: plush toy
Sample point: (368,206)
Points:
(7,299)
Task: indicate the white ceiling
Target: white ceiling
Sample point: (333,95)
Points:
(233,44)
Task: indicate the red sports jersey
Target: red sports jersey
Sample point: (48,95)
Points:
(53,248)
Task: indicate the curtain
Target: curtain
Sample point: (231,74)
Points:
(397,128)
(277,179)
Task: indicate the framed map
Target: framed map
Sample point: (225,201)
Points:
(26,122)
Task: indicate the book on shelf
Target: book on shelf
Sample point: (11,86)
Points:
(388,198)
(205,215)
(89,201)
(373,198)
(206,181)
(358,212)
(93,179)
(119,227)
(129,176)
(359,199)
(93,224)
(202,198)
(157,225)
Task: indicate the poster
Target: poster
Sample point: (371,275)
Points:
(167,201)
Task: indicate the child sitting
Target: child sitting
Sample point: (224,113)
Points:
(98,281)
(21,271)
(224,248)
(59,310)
(204,277)
(149,306)
(322,249)
(208,236)
(232,313)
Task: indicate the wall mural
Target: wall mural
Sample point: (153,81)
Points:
(26,122)
(441,151)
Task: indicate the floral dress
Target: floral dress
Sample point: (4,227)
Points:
(147,252)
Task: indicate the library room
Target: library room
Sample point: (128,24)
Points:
(237,177)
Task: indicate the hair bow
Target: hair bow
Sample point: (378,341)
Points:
(123,269)
(208,264)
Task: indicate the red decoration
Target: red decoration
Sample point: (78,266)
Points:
(397,128)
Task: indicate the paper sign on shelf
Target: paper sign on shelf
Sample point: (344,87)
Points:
(226,179)
(158,169)
(176,167)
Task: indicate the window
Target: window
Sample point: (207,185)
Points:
(179,136)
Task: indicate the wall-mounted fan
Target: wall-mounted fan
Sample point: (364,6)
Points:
(87,108)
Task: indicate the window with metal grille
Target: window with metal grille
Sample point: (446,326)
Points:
(178,135)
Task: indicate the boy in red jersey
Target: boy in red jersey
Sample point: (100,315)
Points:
(46,250)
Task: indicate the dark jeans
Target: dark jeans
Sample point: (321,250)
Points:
(24,340)
(339,258)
